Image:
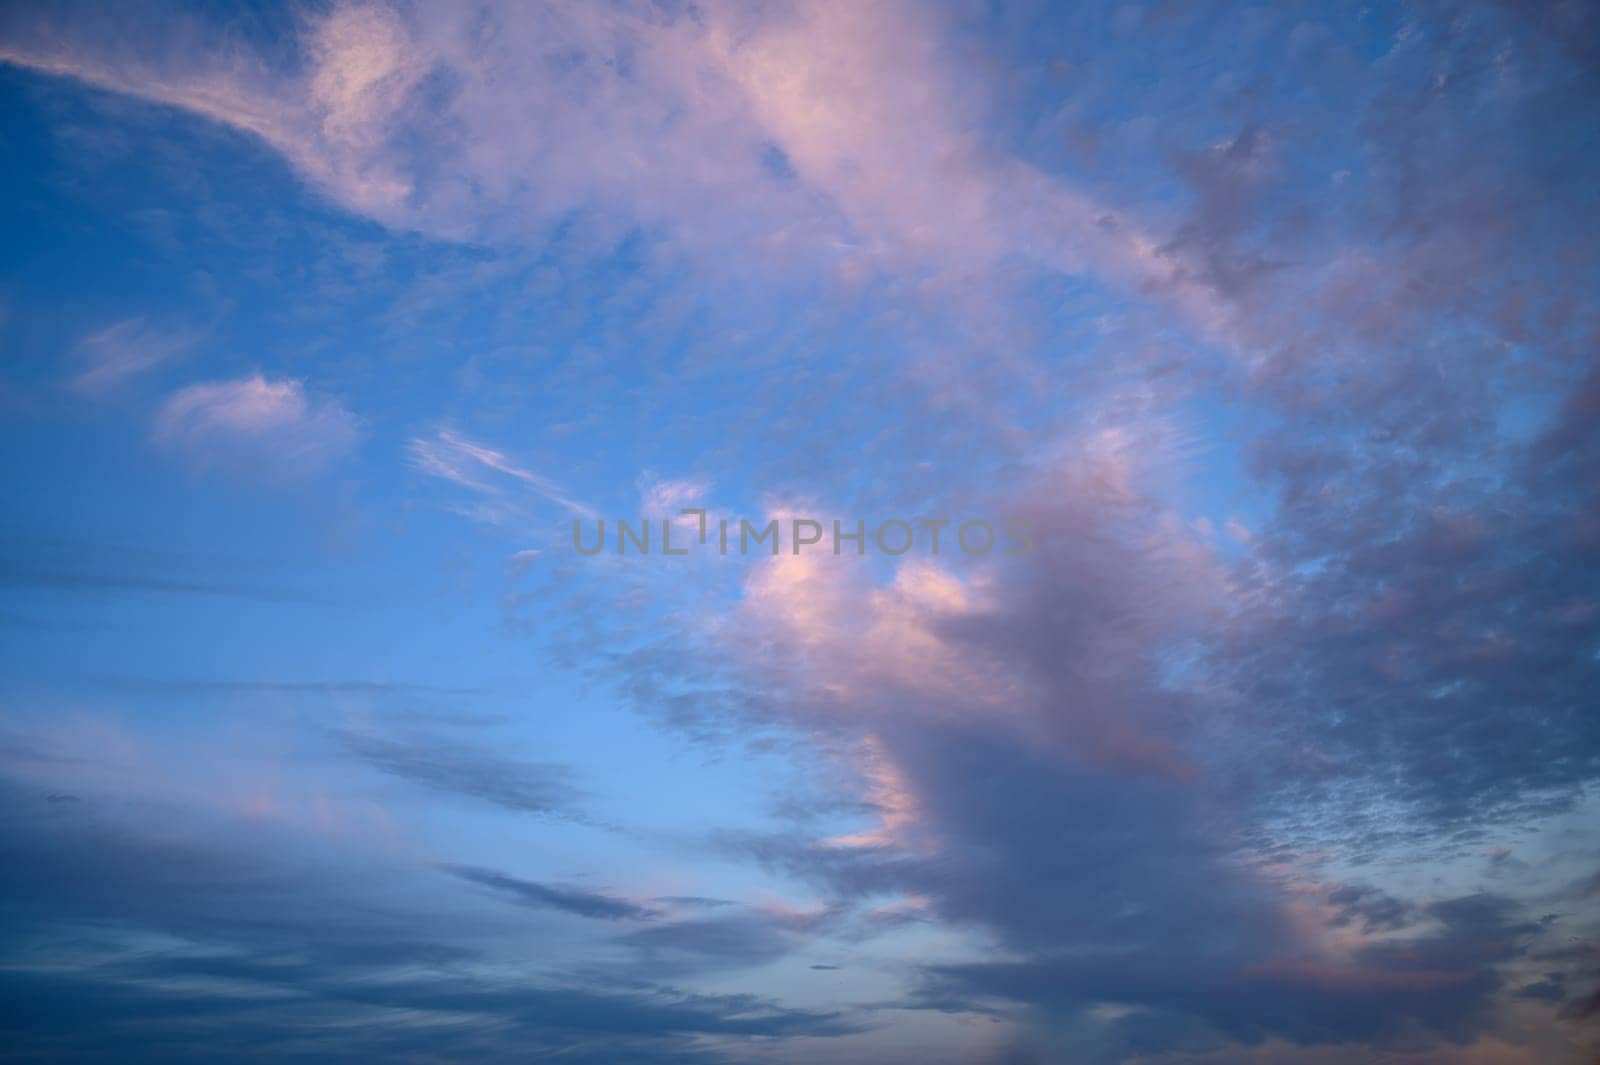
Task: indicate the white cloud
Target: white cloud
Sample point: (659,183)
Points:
(660,498)
(481,469)
(254,422)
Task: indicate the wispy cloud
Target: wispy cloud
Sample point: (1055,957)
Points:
(568,899)
(266,424)
(118,353)
(469,770)
(483,470)
(665,497)
(98,569)
(325,124)
(889,173)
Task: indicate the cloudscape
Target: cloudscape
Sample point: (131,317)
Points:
(867,531)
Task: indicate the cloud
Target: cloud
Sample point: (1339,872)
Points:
(259,1008)
(1373,908)
(1041,756)
(661,497)
(746,938)
(271,426)
(694,900)
(1486,1051)
(99,569)
(665,121)
(204,687)
(572,900)
(485,471)
(118,353)
(1123,768)
(1388,990)
(166,905)
(323,125)
(94,582)
(469,771)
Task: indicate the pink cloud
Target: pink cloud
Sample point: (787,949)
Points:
(269,425)
(860,99)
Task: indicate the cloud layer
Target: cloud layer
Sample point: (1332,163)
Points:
(1275,325)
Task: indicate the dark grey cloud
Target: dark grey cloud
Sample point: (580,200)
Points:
(197,686)
(53,565)
(148,939)
(1430,635)
(136,1017)
(1440,982)
(1552,987)
(1227,181)
(1370,908)
(567,899)
(472,771)
(1418,615)
(1583,1008)
(71,856)
(693,900)
(742,939)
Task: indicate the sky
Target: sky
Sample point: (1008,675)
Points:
(332,333)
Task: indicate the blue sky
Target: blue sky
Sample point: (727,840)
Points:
(323,323)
